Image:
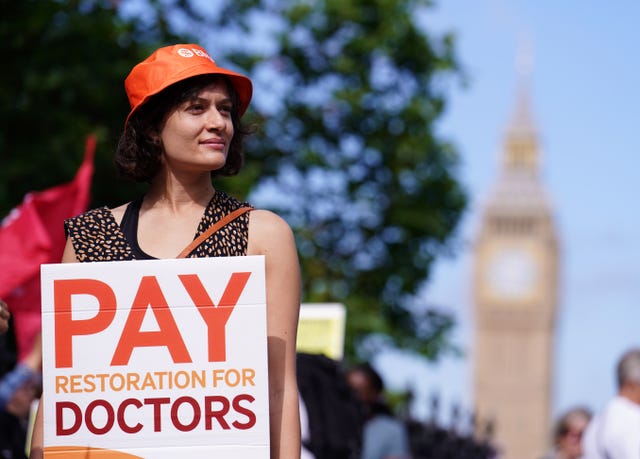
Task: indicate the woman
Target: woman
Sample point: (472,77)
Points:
(568,432)
(184,127)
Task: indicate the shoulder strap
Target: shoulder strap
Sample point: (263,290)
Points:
(212,229)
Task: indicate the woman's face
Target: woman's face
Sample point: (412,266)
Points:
(196,135)
(570,445)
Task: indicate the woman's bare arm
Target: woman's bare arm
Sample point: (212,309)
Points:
(271,236)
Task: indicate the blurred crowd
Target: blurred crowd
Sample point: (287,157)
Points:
(612,433)
(346,416)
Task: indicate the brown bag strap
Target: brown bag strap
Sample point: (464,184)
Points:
(212,229)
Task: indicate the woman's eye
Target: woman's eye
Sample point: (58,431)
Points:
(225,109)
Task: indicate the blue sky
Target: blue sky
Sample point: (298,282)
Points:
(586,105)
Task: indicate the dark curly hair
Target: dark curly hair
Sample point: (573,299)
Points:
(139,152)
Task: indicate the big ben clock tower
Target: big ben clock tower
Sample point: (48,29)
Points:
(515,295)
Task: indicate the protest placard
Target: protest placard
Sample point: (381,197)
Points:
(321,329)
(155,359)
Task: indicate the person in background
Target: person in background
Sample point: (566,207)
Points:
(184,130)
(568,432)
(19,387)
(14,374)
(331,415)
(384,436)
(614,433)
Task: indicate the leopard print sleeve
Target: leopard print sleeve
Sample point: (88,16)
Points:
(230,240)
(96,236)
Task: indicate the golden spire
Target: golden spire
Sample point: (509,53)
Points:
(521,142)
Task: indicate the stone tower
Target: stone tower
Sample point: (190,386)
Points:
(516,296)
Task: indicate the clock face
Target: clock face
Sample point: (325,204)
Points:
(512,272)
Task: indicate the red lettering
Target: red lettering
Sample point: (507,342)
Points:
(157,403)
(150,294)
(183,418)
(197,414)
(88,417)
(126,428)
(65,327)
(215,317)
(210,413)
(242,410)
(77,413)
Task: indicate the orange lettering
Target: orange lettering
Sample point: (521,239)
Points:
(150,294)
(215,317)
(65,328)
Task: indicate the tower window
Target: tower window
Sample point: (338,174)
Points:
(512,225)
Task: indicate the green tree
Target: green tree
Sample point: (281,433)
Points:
(62,78)
(348,153)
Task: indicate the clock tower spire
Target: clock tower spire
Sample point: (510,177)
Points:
(521,152)
(515,295)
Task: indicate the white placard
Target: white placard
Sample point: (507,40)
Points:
(155,359)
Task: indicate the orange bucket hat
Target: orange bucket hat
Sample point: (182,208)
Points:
(175,63)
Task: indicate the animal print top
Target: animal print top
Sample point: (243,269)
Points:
(96,236)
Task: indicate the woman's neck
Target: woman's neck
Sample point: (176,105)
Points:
(175,193)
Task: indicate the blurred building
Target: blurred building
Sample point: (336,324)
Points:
(516,296)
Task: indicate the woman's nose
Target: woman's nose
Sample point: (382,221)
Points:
(215,120)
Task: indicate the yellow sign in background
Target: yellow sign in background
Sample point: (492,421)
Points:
(321,329)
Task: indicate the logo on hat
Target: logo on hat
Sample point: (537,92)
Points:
(186,52)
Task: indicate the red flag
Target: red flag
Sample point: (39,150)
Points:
(33,234)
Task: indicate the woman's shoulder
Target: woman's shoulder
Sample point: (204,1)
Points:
(268,221)
(93,215)
(96,219)
(268,229)
(118,212)
(102,214)
(96,235)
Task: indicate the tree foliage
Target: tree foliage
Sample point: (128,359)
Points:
(62,78)
(347,95)
(349,156)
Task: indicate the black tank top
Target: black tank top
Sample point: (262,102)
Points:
(129,226)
